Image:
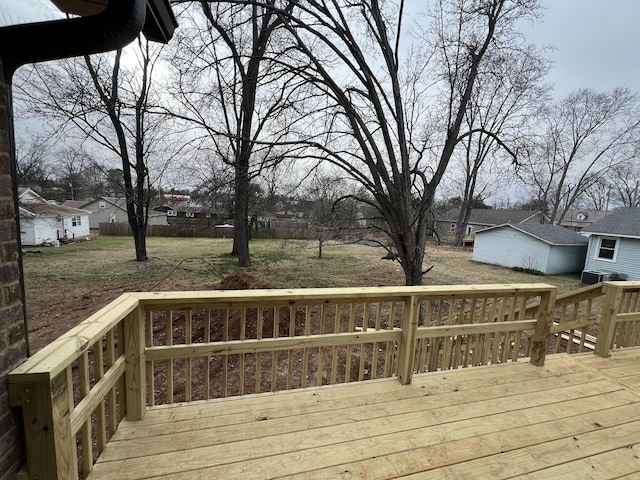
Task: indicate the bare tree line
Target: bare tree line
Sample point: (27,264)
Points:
(400,107)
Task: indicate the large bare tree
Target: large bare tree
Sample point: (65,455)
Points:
(583,137)
(106,100)
(508,94)
(235,91)
(376,119)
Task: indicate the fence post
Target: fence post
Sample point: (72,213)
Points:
(46,412)
(407,347)
(540,340)
(135,364)
(612,298)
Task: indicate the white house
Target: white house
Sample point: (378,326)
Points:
(614,247)
(112,210)
(550,249)
(43,222)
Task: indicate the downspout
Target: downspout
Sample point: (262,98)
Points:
(117,25)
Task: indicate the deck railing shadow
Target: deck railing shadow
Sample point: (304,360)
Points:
(146,349)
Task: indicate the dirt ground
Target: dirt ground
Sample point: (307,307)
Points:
(50,314)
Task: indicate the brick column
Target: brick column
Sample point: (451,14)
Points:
(13,339)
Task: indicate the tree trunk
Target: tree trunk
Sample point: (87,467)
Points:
(139,239)
(240,214)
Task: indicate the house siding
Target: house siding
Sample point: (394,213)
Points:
(114,214)
(627,258)
(566,259)
(103,215)
(39,230)
(510,248)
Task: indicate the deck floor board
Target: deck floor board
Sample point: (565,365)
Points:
(576,414)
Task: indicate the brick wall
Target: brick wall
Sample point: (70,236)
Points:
(13,341)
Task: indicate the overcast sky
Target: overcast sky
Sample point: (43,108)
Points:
(596,41)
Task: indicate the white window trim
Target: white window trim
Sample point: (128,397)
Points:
(615,250)
(102,205)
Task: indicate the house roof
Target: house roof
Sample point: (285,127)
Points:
(33,205)
(75,203)
(623,222)
(120,203)
(582,218)
(551,234)
(489,216)
(50,210)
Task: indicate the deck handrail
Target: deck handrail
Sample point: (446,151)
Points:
(103,369)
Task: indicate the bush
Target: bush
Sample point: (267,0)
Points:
(531,271)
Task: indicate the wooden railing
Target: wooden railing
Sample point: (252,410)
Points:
(145,349)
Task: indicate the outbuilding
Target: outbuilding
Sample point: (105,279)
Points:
(550,249)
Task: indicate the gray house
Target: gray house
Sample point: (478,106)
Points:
(482,218)
(614,247)
(551,249)
(112,210)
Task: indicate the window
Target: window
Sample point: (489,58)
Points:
(76,221)
(453,227)
(188,214)
(102,205)
(112,218)
(172,213)
(607,249)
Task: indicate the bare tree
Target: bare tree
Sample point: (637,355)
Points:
(334,211)
(102,100)
(585,136)
(232,87)
(31,161)
(506,97)
(624,184)
(374,116)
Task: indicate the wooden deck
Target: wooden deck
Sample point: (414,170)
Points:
(578,416)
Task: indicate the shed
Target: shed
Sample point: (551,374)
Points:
(550,249)
(614,247)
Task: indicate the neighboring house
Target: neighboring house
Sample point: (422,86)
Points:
(112,210)
(550,249)
(578,220)
(614,247)
(42,222)
(482,218)
(188,213)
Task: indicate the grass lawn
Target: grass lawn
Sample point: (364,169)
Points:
(67,284)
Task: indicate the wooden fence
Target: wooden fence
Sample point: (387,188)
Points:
(198,231)
(160,348)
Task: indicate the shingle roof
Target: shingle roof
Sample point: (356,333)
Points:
(489,216)
(552,234)
(624,222)
(51,210)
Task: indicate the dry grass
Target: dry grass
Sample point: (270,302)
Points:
(65,285)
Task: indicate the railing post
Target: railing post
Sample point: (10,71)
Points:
(135,364)
(46,413)
(611,304)
(407,347)
(542,334)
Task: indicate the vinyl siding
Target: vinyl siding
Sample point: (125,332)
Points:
(511,248)
(627,260)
